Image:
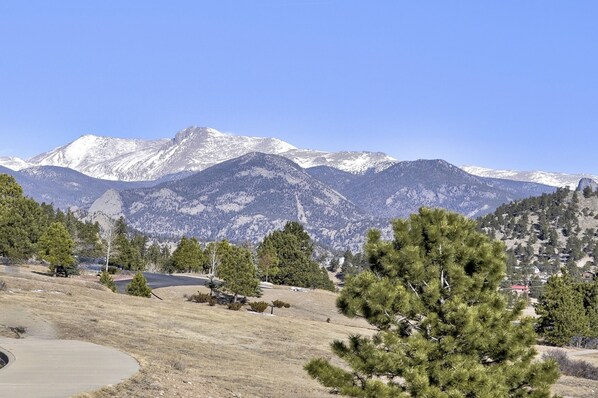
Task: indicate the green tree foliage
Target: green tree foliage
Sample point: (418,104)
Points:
(158,256)
(567,309)
(294,251)
(188,256)
(559,229)
(267,261)
(129,247)
(106,280)
(443,328)
(238,271)
(138,286)
(56,246)
(22,220)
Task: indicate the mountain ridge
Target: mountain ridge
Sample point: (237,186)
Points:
(192,149)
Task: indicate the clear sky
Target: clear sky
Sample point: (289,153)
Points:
(501,84)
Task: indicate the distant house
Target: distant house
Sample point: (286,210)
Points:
(520,289)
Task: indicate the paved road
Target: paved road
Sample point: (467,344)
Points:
(59,368)
(156,281)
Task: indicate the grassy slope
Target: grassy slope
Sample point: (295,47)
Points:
(193,350)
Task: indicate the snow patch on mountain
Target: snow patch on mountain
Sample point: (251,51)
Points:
(541,177)
(13,163)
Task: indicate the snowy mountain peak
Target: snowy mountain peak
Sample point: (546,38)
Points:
(192,149)
(197,133)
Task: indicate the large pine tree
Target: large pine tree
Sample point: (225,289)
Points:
(56,246)
(293,249)
(443,328)
(188,256)
(237,270)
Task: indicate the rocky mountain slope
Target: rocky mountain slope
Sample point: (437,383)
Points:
(403,188)
(192,149)
(546,233)
(65,188)
(242,200)
(247,197)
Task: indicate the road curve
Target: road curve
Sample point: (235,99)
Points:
(156,281)
(40,368)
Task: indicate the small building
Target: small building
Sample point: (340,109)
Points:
(520,289)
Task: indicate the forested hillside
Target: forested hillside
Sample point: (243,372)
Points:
(548,232)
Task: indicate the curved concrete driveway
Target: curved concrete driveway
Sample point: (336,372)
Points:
(60,368)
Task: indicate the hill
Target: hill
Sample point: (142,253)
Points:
(548,232)
(188,350)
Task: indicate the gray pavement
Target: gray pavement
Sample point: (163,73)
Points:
(156,281)
(40,368)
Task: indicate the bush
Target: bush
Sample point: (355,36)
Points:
(139,287)
(258,306)
(590,343)
(212,302)
(112,270)
(2,286)
(280,304)
(235,306)
(201,298)
(570,367)
(106,280)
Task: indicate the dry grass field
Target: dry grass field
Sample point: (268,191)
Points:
(194,350)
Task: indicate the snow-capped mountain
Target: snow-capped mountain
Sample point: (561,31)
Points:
(13,163)
(192,149)
(540,177)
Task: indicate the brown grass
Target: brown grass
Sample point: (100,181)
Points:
(194,350)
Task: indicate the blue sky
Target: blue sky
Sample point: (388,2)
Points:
(503,84)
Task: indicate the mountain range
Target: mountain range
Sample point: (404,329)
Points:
(214,186)
(197,148)
(245,198)
(192,149)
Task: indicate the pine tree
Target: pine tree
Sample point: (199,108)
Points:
(22,220)
(188,256)
(238,272)
(267,261)
(294,251)
(56,247)
(106,280)
(561,312)
(138,286)
(443,328)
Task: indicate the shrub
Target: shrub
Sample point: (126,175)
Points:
(139,287)
(106,280)
(212,302)
(570,367)
(112,270)
(258,306)
(278,304)
(200,298)
(235,306)
(2,286)
(590,343)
